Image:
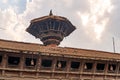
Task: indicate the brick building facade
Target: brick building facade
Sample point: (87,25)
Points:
(23,61)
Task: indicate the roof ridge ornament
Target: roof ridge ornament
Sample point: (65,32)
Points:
(50,14)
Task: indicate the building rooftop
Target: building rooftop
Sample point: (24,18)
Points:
(12,46)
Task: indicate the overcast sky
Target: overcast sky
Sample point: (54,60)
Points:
(97,21)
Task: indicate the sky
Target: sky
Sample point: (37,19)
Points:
(96,21)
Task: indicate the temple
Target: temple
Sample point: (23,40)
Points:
(48,61)
(50,29)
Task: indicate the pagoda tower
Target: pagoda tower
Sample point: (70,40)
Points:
(50,29)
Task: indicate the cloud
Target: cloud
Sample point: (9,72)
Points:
(94,20)
(12,24)
(15,23)
(4,1)
(113,25)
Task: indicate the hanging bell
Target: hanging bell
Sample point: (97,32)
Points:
(59,65)
(32,62)
(111,68)
(85,67)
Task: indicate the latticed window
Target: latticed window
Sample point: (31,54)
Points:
(61,64)
(100,66)
(75,65)
(13,60)
(30,61)
(88,66)
(46,63)
(0,58)
(111,67)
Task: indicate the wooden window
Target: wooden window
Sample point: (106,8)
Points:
(46,63)
(111,67)
(13,60)
(0,58)
(57,25)
(75,65)
(30,61)
(61,64)
(88,66)
(100,66)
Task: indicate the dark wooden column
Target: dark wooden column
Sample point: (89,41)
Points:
(106,70)
(117,70)
(94,69)
(81,68)
(54,66)
(68,68)
(4,62)
(38,64)
(22,60)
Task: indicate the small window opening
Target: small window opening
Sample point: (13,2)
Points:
(30,61)
(13,60)
(57,25)
(51,25)
(119,68)
(111,67)
(64,28)
(46,63)
(100,66)
(61,64)
(88,66)
(0,58)
(75,65)
(43,27)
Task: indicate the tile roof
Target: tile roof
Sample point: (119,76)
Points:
(64,51)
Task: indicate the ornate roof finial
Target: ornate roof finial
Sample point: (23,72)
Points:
(50,14)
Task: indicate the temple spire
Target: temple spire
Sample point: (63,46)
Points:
(50,14)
